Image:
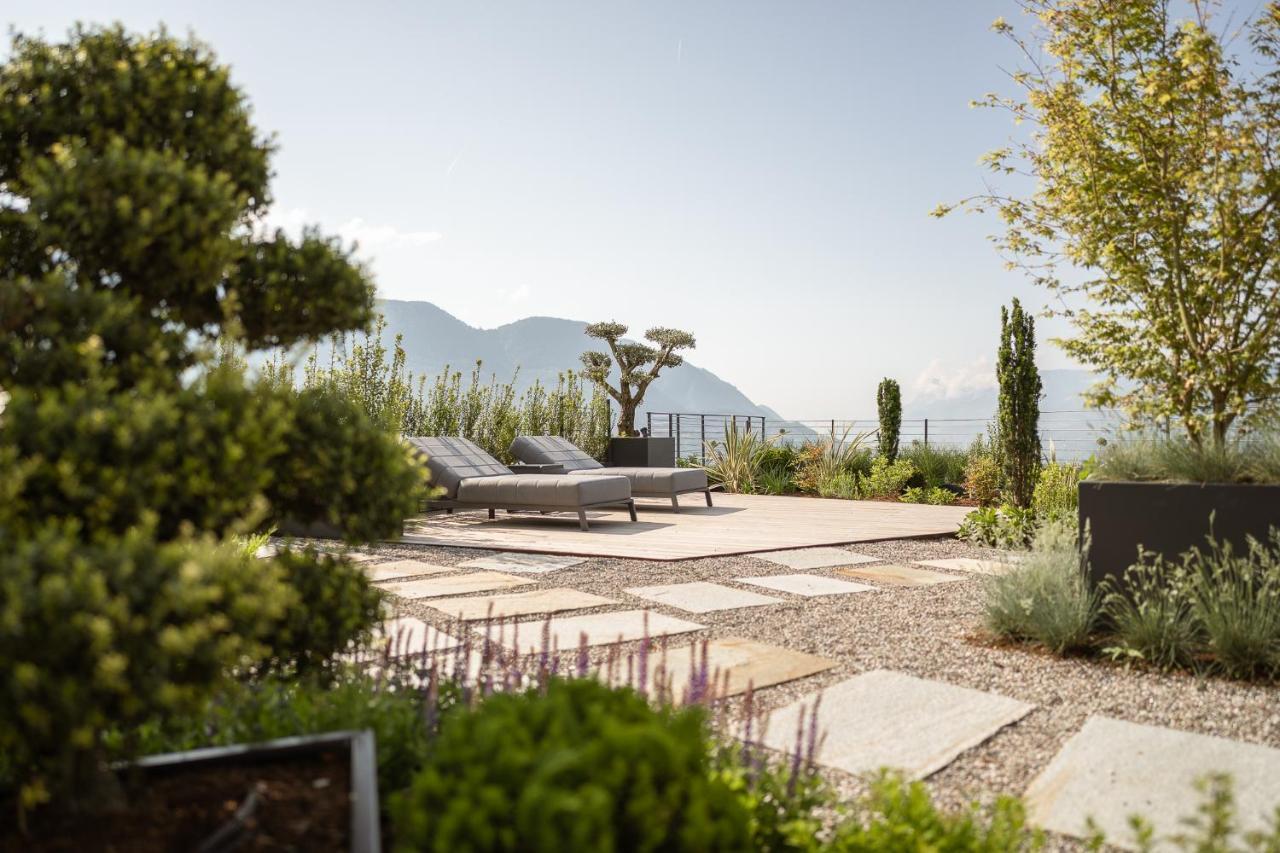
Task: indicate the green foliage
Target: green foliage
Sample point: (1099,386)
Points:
(935,495)
(340,607)
(828,463)
(1057,493)
(1147,457)
(938,464)
(982,477)
(577,766)
(839,484)
(1007,527)
(735,461)
(638,365)
(114,631)
(1018,413)
(889,410)
(1150,615)
(900,816)
(886,479)
(1153,215)
(1046,597)
(774,481)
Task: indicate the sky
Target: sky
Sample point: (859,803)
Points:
(759,173)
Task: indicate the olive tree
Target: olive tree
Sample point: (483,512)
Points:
(638,365)
(1155,216)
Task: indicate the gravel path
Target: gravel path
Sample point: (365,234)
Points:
(931,632)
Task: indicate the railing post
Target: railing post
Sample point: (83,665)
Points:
(926,432)
(677,438)
(763,437)
(703,446)
(649,421)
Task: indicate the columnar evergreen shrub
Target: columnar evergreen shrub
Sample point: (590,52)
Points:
(1018,415)
(889,410)
(573,766)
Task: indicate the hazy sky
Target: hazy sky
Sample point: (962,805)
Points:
(759,173)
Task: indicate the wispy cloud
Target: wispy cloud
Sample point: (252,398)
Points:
(945,381)
(515,295)
(367,235)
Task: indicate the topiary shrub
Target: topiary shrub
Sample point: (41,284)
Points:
(575,766)
(116,631)
(338,606)
(889,411)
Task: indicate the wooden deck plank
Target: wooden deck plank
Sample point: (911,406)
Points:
(738,524)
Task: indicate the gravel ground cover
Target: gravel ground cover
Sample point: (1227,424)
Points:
(930,632)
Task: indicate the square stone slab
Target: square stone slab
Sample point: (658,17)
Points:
(1112,769)
(815,558)
(519,603)
(807,585)
(397,569)
(899,575)
(410,635)
(967,564)
(464,584)
(602,629)
(889,719)
(700,597)
(533,564)
(745,662)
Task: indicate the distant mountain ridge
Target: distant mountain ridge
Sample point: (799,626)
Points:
(541,348)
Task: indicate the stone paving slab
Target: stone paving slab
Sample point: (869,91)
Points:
(746,664)
(899,575)
(396,569)
(701,597)
(452,585)
(518,604)
(814,558)
(967,564)
(1112,769)
(410,635)
(533,564)
(807,585)
(889,719)
(601,629)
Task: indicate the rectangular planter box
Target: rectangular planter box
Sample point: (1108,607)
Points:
(642,453)
(365,830)
(1169,519)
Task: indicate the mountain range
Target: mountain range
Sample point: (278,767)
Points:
(539,348)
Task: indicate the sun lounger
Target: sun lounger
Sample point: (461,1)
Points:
(472,479)
(645,482)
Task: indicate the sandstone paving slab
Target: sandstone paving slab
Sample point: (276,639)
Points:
(814,558)
(807,585)
(410,635)
(463,584)
(533,564)
(701,597)
(889,719)
(396,569)
(899,575)
(744,663)
(601,629)
(1112,769)
(554,600)
(967,564)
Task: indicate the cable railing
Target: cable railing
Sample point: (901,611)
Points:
(1069,435)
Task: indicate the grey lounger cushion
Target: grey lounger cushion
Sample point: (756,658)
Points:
(552,449)
(469,475)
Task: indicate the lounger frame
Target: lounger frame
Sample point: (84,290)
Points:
(449,505)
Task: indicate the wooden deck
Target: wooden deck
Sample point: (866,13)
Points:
(737,524)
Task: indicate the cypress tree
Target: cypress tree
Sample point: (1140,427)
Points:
(1018,417)
(889,407)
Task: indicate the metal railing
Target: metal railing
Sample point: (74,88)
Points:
(1068,435)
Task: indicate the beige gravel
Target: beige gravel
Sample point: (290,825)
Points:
(930,632)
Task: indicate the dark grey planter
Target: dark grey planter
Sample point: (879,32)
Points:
(366,830)
(1169,519)
(642,453)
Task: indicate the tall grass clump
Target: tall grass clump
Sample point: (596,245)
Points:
(1153,458)
(1046,597)
(1235,602)
(832,462)
(735,461)
(1150,614)
(938,465)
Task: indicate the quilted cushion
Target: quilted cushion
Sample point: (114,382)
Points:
(551,450)
(653,481)
(451,460)
(539,490)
